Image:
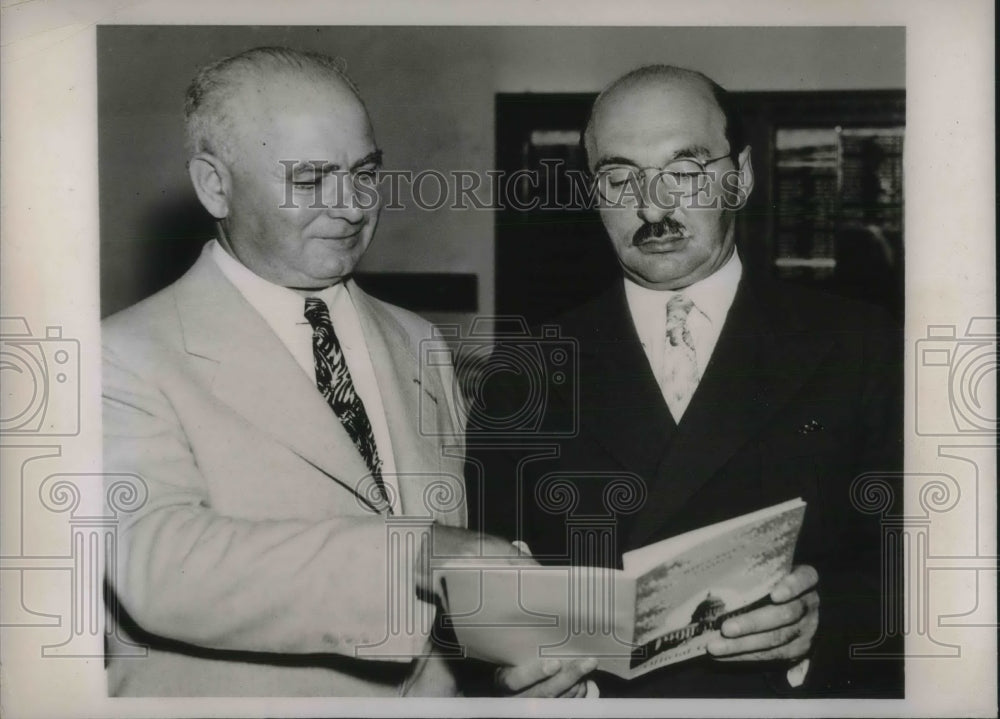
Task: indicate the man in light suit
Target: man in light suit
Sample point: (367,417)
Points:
(708,393)
(270,410)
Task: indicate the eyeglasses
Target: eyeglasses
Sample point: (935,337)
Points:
(680,179)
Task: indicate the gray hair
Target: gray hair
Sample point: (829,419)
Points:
(208,104)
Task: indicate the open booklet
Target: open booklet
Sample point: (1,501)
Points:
(663,607)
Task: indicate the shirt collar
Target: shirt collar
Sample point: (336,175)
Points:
(274,302)
(712,295)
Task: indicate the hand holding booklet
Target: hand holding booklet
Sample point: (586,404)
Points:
(667,603)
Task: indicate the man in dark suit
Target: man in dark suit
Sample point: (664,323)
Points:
(703,393)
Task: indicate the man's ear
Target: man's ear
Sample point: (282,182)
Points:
(745,176)
(212,183)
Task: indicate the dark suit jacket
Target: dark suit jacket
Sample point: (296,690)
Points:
(802,394)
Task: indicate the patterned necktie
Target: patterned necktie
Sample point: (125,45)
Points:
(680,363)
(334,382)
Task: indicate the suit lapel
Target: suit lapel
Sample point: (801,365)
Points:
(404,389)
(259,379)
(759,363)
(620,400)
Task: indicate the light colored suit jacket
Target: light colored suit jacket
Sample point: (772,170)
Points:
(253,567)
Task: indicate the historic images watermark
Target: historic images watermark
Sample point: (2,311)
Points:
(41,379)
(546,360)
(960,372)
(960,369)
(40,374)
(318,185)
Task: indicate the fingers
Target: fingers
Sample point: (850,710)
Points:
(545,678)
(572,673)
(455,541)
(794,650)
(811,600)
(763,641)
(448,543)
(576,691)
(765,619)
(782,631)
(521,547)
(451,542)
(801,579)
(512,680)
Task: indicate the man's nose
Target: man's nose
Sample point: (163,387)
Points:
(345,202)
(654,205)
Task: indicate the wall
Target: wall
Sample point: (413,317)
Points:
(430,92)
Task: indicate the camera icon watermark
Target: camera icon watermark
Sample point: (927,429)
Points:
(957,372)
(71,544)
(918,553)
(41,380)
(410,612)
(506,379)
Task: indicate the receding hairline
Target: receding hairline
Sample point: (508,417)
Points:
(662,76)
(213,98)
(257,93)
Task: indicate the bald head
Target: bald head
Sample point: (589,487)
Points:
(259,80)
(668,235)
(664,90)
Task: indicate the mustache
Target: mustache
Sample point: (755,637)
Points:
(649,230)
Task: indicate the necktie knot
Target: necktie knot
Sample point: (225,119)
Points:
(317,313)
(678,309)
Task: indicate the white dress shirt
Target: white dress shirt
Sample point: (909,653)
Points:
(712,297)
(284,310)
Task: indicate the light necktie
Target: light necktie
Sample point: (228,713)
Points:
(334,382)
(680,362)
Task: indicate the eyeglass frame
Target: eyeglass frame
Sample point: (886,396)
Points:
(643,173)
